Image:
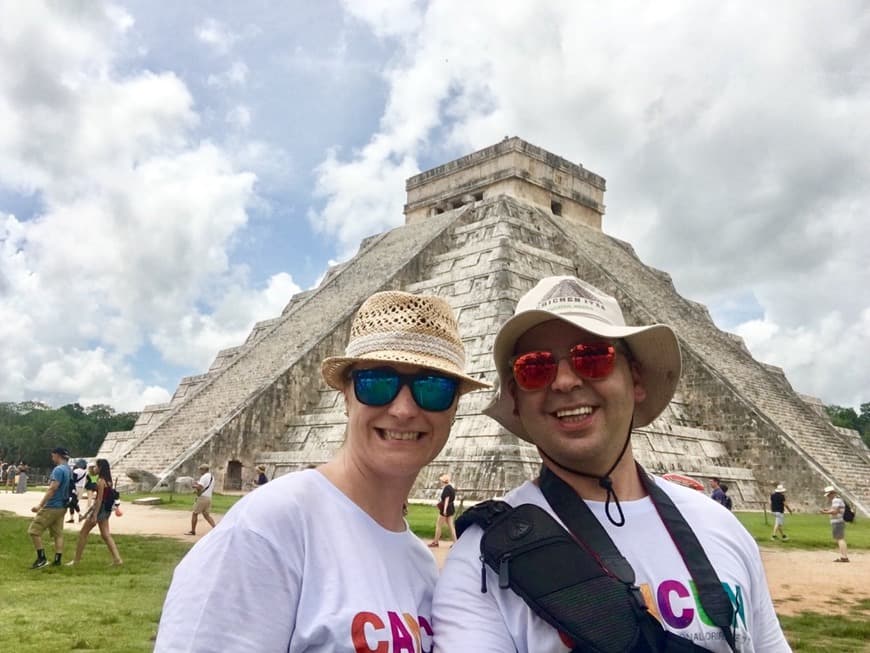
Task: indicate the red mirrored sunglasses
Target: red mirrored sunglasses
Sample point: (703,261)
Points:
(536,370)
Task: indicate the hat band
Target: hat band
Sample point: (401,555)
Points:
(404,341)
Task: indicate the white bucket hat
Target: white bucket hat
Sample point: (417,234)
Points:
(575,302)
(829,489)
(399,327)
(779,488)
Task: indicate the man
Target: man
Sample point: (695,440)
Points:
(50,511)
(574,381)
(718,495)
(838,524)
(778,506)
(204,487)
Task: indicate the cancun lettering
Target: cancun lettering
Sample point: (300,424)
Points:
(398,633)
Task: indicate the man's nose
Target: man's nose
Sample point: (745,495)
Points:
(566,377)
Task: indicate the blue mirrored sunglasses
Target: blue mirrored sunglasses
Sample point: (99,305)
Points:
(378,387)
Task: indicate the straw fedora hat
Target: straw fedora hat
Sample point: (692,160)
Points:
(575,302)
(399,327)
(779,488)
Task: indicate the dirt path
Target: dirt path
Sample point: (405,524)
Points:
(799,580)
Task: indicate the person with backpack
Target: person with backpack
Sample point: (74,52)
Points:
(778,506)
(837,511)
(99,516)
(52,508)
(595,553)
(76,487)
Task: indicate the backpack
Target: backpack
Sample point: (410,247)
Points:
(727,502)
(848,513)
(583,587)
(72,496)
(110,496)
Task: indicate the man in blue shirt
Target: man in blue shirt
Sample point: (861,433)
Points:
(51,510)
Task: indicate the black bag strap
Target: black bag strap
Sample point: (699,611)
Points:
(712,594)
(585,527)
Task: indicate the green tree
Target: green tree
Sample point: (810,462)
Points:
(29,430)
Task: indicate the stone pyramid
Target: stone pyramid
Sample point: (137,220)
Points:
(480,231)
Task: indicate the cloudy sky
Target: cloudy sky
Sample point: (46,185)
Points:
(171,173)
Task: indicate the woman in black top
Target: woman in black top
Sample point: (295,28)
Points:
(105,503)
(446,509)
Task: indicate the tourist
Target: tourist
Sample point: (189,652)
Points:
(11,473)
(322,559)
(204,489)
(99,516)
(718,494)
(778,506)
(836,509)
(446,510)
(574,381)
(21,478)
(262,479)
(51,510)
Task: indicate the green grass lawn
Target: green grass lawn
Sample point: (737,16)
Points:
(95,607)
(90,607)
(806,530)
(220,503)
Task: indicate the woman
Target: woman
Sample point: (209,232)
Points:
(446,510)
(100,515)
(322,559)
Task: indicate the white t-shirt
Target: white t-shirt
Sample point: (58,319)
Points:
(467,620)
(206,481)
(297,566)
(840,506)
(80,476)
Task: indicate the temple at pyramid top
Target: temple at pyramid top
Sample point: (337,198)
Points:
(515,168)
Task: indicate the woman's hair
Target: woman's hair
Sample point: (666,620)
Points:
(105,472)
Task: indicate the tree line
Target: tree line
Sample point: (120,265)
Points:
(848,418)
(29,430)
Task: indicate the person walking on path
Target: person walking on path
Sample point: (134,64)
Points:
(323,559)
(99,516)
(838,524)
(204,489)
(615,545)
(778,506)
(446,510)
(51,510)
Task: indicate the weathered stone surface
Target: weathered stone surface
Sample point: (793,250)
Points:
(148,501)
(264,403)
(142,479)
(184,485)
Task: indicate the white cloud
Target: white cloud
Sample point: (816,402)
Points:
(387,18)
(239,117)
(235,75)
(135,222)
(733,139)
(214,34)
